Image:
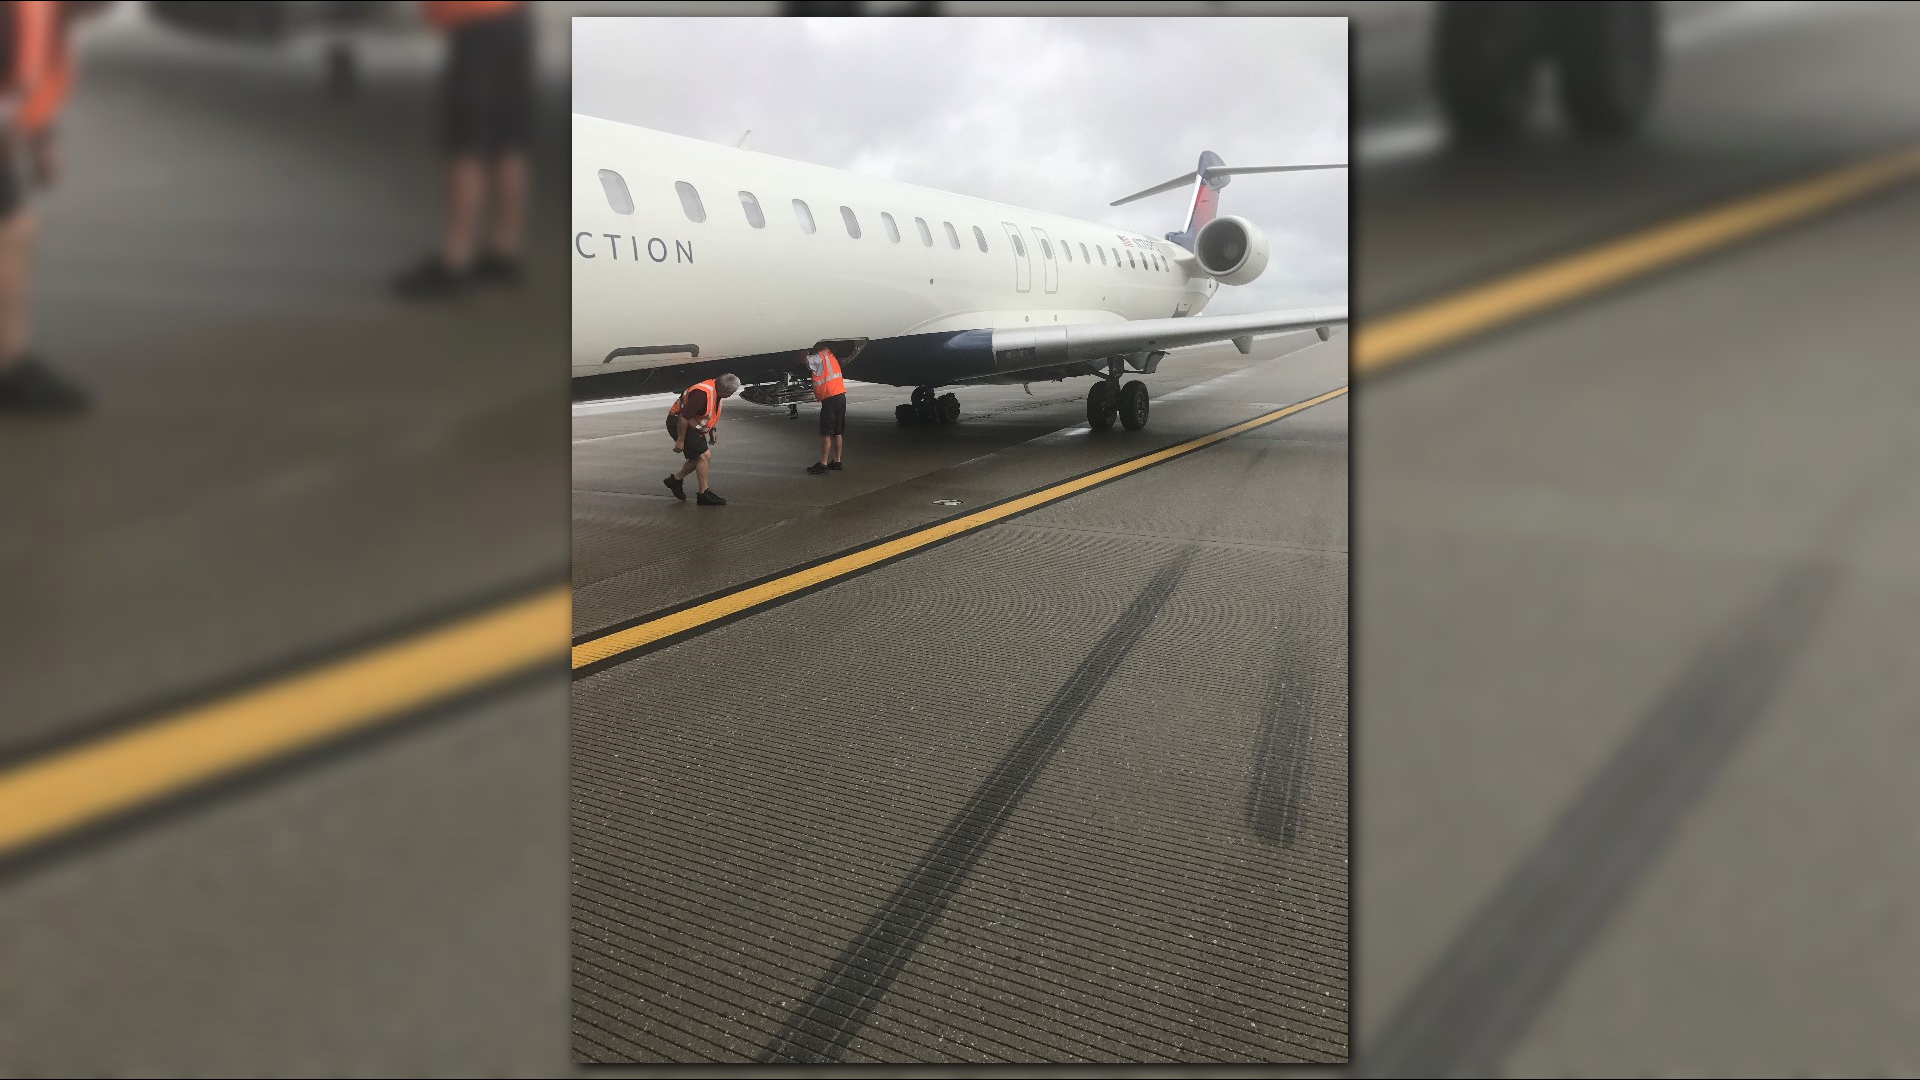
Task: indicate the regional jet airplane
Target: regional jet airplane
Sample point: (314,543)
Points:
(691,259)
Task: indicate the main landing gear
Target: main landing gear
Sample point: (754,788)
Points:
(1107,399)
(925,408)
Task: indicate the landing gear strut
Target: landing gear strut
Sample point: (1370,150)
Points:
(1107,399)
(927,408)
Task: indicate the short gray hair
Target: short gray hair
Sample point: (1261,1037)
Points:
(729,385)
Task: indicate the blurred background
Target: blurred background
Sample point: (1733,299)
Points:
(1636,586)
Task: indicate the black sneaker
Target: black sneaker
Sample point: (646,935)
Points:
(678,487)
(835,466)
(816,468)
(29,386)
(495,269)
(708,498)
(431,279)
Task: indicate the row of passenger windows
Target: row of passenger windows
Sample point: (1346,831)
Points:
(622,203)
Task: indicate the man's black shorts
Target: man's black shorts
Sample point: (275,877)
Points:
(486,98)
(696,443)
(833,415)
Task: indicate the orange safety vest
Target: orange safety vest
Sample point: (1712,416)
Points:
(713,405)
(826,374)
(42,69)
(450,14)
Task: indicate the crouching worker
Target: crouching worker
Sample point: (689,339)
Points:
(694,421)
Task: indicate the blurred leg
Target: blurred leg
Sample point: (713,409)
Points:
(466,190)
(26,385)
(507,51)
(444,273)
(16,247)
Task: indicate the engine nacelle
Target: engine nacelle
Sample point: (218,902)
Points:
(1231,250)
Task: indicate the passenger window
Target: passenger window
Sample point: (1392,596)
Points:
(1103,255)
(752,206)
(1019,248)
(893,231)
(690,201)
(616,189)
(1130,263)
(980,238)
(952,237)
(853,223)
(1066,248)
(804,215)
(926,235)
(1046,248)
(1083,254)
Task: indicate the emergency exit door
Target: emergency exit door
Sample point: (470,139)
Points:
(1022,262)
(1049,270)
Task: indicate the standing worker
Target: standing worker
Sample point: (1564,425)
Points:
(36,73)
(830,390)
(486,117)
(694,421)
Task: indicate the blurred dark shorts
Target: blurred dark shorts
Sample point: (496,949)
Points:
(833,415)
(486,100)
(696,443)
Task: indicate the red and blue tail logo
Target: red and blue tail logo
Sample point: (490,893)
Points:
(1206,199)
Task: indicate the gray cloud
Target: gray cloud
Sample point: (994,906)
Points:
(1062,115)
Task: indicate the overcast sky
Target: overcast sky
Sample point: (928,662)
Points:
(1059,115)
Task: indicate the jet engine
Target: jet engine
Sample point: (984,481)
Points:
(1231,250)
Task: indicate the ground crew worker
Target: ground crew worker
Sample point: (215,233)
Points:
(486,117)
(694,422)
(36,73)
(830,390)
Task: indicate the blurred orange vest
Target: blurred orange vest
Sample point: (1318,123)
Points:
(42,70)
(450,14)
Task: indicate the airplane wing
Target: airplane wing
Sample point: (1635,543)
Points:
(1044,346)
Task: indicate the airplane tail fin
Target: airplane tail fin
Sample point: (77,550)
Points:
(1207,178)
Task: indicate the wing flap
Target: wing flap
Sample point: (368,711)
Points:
(1040,346)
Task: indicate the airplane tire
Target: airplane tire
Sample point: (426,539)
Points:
(1487,60)
(1101,403)
(949,408)
(1133,405)
(903,413)
(1608,60)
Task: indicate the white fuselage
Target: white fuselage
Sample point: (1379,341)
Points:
(648,276)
